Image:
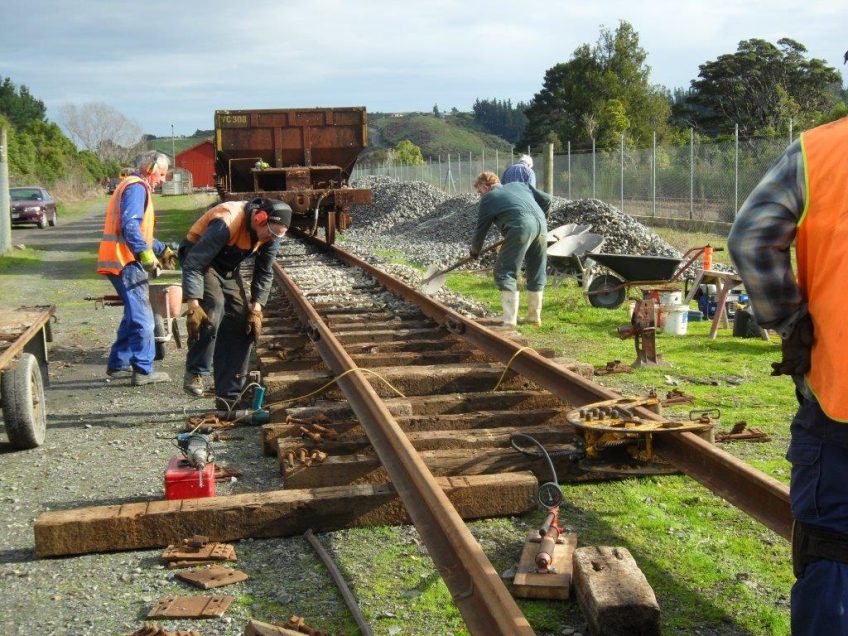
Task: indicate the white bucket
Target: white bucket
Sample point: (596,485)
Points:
(677,320)
(671,298)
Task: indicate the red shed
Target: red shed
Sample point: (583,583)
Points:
(200,161)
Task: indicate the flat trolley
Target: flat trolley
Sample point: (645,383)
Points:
(24,334)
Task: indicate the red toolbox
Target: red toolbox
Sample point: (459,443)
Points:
(182,480)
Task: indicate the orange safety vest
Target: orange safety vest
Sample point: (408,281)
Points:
(114,253)
(822,255)
(232,214)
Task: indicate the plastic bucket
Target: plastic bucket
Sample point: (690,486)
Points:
(677,320)
(671,298)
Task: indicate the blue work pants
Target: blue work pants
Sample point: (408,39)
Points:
(134,345)
(525,242)
(224,345)
(818,494)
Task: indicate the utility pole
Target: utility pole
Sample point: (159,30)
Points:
(5,204)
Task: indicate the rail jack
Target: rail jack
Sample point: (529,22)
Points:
(643,328)
(545,567)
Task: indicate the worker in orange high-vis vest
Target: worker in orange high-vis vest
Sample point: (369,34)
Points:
(804,198)
(128,251)
(222,320)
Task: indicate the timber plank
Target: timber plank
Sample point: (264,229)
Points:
(352,433)
(438,440)
(614,595)
(367,469)
(276,513)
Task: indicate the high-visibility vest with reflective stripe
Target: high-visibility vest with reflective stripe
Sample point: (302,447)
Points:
(114,253)
(232,214)
(822,256)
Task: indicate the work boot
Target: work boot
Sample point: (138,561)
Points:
(509,304)
(118,373)
(534,309)
(193,384)
(140,379)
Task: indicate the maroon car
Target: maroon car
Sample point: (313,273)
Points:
(32,204)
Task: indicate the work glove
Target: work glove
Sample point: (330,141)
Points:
(168,258)
(148,260)
(473,254)
(195,319)
(254,324)
(796,349)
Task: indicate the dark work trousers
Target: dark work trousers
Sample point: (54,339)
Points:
(223,346)
(134,345)
(525,242)
(818,494)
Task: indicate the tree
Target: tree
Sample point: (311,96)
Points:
(760,87)
(19,106)
(103,130)
(608,82)
(407,153)
(436,112)
(501,118)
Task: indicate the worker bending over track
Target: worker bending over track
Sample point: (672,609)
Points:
(221,320)
(518,210)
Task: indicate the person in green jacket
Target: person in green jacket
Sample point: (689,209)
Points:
(518,210)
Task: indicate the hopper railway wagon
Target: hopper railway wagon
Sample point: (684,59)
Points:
(303,156)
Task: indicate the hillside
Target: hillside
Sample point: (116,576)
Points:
(435,136)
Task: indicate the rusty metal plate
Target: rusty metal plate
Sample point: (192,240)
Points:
(215,576)
(208,552)
(191,607)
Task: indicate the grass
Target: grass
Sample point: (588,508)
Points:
(709,564)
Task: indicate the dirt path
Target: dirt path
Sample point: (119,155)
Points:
(107,443)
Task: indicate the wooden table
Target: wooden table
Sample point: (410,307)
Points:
(724,282)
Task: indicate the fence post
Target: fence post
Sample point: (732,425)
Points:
(736,170)
(691,173)
(654,176)
(622,172)
(594,196)
(549,169)
(569,170)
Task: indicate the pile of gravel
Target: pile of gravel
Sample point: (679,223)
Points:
(427,226)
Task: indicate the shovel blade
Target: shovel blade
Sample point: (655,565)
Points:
(434,280)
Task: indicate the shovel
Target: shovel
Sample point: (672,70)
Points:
(435,279)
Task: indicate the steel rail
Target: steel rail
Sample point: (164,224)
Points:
(486,605)
(742,485)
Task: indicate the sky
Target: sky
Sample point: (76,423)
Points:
(175,63)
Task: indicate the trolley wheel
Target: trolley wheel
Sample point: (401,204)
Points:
(23,404)
(606,292)
(159,332)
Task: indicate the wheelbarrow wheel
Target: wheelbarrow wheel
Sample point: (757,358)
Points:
(159,335)
(606,292)
(23,404)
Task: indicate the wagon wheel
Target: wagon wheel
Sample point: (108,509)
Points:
(159,336)
(606,292)
(23,403)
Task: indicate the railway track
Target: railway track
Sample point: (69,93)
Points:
(425,392)
(410,416)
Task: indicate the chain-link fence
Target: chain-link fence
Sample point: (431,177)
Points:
(701,181)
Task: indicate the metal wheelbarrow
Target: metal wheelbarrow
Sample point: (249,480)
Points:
(608,291)
(165,300)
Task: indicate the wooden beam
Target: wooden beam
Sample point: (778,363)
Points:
(277,513)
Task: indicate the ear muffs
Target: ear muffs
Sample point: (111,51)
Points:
(261,217)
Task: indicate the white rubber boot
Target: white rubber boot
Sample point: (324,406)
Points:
(534,308)
(509,303)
